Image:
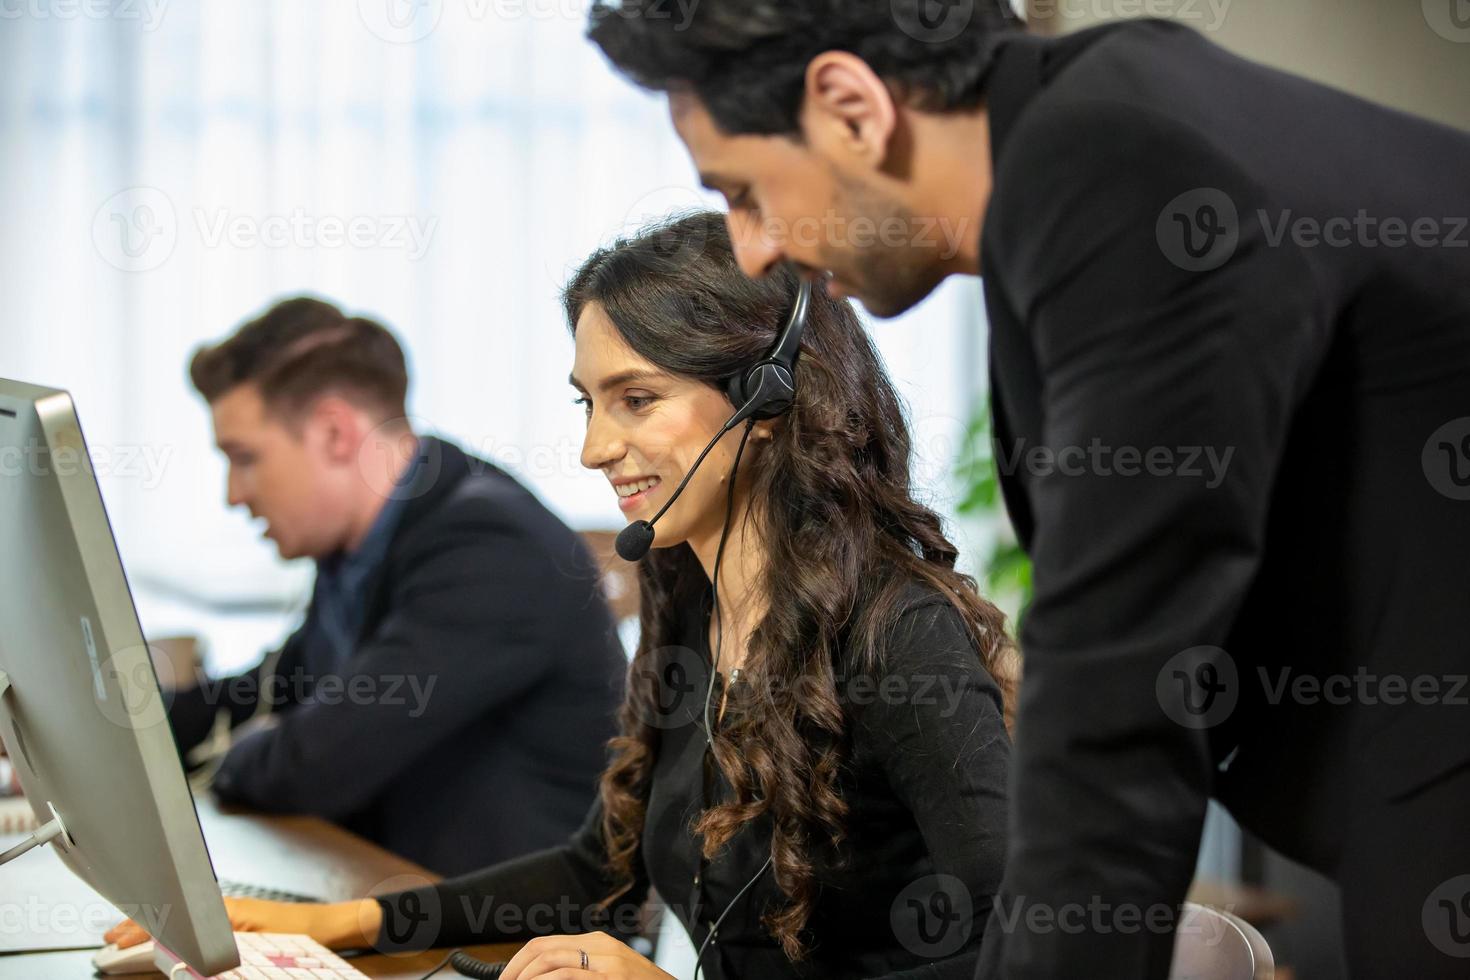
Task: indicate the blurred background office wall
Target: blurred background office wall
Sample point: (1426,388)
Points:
(169,168)
(1410,54)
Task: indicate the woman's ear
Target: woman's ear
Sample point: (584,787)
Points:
(765,430)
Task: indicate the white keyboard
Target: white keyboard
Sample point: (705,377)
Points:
(282,956)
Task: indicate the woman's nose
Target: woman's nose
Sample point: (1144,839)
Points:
(602,445)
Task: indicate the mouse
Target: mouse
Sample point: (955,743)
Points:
(111,960)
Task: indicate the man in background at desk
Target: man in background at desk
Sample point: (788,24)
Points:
(451,689)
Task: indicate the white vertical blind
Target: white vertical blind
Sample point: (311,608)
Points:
(171,169)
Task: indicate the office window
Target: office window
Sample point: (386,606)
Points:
(168,170)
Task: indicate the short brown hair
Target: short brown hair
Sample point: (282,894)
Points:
(303,348)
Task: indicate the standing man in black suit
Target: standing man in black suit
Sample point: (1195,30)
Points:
(453,687)
(1230,359)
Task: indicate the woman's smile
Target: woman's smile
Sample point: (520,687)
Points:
(635,491)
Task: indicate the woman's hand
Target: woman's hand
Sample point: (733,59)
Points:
(343,925)
(560,958)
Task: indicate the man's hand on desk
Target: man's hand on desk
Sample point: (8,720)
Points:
(262,723)
(340,925)
(549,957)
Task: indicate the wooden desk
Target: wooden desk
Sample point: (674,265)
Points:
(297,854)
(306,855)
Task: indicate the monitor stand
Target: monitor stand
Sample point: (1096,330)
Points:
(48,831)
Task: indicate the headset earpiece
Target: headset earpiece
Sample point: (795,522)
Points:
(768,388)
(764,392)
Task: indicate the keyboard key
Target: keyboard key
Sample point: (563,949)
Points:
(278,956)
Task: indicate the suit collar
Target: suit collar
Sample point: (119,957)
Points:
(440,468)
(1015,78)
(1024,65)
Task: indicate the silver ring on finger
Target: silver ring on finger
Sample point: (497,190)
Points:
(584,959)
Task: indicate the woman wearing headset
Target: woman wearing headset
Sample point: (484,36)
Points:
(829,801)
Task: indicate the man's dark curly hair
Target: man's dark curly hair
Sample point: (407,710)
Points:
(746,59)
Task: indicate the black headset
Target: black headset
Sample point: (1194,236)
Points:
(767,388)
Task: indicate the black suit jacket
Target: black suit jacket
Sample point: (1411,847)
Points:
(470,722)
(1176,608)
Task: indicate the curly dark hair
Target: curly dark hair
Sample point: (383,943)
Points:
(746,59)
(843,538)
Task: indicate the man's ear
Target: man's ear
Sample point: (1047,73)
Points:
(847,109)
(339,428)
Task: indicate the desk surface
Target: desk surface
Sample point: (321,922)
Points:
(305,855)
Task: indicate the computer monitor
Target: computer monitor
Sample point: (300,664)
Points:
(81,713)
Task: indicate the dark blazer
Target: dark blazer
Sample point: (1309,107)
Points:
(469,725)
(908,895)
(1179,600)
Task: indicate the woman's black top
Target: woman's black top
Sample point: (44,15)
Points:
(913,884)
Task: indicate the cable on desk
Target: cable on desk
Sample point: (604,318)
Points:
(442,964)
(467,966)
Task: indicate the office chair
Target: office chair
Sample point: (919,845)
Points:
(1211,944)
